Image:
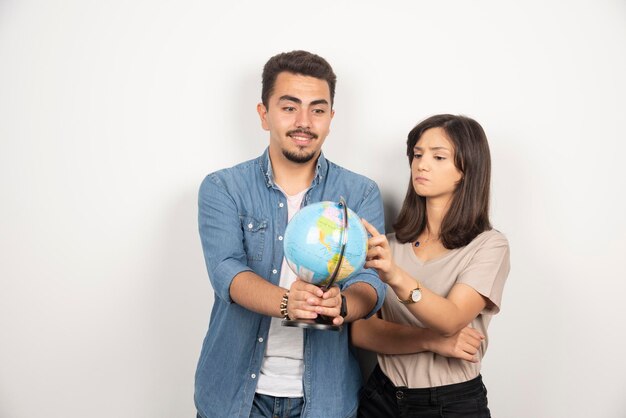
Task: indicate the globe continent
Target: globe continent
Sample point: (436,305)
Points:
(312,243)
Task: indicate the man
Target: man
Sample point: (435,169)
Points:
(250,365)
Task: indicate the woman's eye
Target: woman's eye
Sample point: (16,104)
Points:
(417,155)
(439,158)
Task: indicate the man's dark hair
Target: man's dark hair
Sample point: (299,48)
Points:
(297,62)
(468,214)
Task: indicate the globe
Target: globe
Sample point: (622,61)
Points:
(312,243)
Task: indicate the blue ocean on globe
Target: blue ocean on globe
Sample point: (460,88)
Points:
(312,243)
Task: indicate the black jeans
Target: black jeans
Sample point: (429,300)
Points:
(381,399)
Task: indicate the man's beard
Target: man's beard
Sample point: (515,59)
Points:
(298,158)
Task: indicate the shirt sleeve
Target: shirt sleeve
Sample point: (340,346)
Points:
(221,236)
(488,270)
(371,209)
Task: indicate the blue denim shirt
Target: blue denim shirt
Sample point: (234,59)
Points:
(242,218)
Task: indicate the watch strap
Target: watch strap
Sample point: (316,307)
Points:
(343,311)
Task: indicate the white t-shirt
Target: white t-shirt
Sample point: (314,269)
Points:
(283,364)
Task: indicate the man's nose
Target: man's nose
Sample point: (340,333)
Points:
(303,120)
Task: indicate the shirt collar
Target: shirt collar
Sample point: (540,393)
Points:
(268,173)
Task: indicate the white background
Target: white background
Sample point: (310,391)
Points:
(112,112)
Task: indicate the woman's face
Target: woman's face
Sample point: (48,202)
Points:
(433,172)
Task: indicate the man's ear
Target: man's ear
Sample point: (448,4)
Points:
(262,111)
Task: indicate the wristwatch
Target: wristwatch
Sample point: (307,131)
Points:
(343,311)
(414,296)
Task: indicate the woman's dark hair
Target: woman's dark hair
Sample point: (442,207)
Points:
(296,62)
(468,214)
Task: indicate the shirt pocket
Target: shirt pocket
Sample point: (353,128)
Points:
(253,236)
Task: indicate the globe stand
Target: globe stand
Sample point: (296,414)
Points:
(321,322)
(325,322)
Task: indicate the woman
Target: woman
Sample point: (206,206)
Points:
(446,268)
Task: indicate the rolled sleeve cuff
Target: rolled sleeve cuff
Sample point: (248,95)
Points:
(370,277)
(223,276)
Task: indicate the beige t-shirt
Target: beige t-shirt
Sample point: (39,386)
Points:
(484,265)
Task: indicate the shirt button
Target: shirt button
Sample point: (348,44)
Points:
(281,204)
(253,376)
(250,226)
(399,394)
(274,271)
(260,339)
(280,238)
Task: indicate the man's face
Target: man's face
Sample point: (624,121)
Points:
(297,117)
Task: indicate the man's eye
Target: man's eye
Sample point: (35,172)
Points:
(319,111)
(289,108)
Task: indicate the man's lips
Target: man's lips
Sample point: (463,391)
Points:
(299,135)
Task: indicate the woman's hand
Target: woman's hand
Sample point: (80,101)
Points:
(462,345)
(379,255)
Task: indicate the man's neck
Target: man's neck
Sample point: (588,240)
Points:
(292,177)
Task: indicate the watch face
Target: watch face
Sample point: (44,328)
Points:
(416,295)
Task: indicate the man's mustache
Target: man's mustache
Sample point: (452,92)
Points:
(302,131)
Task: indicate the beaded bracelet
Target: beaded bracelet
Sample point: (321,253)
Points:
(283,305)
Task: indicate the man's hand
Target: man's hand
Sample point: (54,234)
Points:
(307,301)
(331,305)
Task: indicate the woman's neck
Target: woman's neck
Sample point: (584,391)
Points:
(436,210)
